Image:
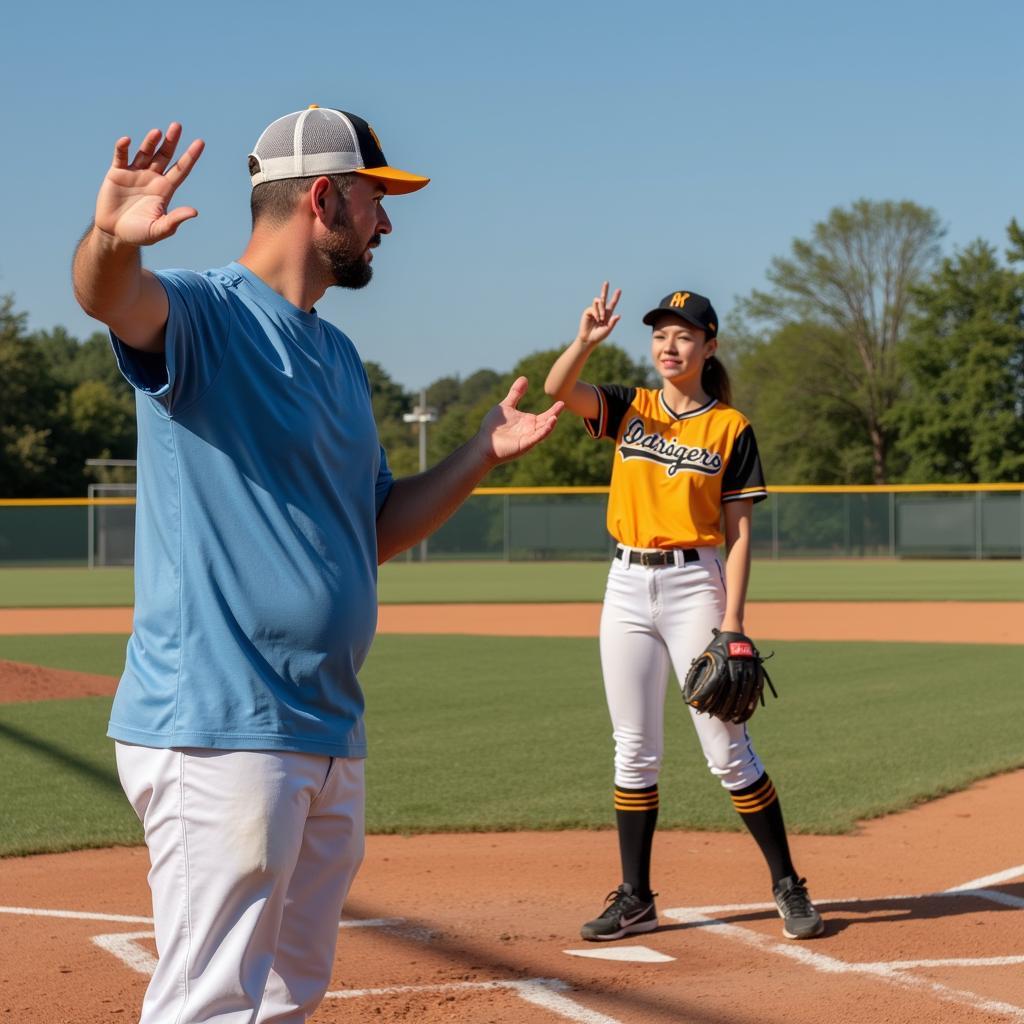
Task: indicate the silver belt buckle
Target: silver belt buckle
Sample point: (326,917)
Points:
(645,559)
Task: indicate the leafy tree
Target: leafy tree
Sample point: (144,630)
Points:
(72,362)
(443,393)
(27,404)
(962,418)
(62,402)
(390,402)
(855,276)
(102,420)
(804,434)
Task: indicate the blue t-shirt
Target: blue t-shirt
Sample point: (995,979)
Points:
(260,479)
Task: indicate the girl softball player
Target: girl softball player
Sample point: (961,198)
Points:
(685,479)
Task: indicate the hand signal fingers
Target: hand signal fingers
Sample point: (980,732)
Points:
(146,150)
(603,307)
(177,173)
(163,155)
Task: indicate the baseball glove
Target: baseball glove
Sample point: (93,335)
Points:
(727,680)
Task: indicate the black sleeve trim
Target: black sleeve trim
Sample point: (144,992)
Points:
(613,400)
(743,478)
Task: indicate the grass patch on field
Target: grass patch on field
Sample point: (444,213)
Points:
(820,580)
(483,582)
(481,733)
(97,654)
(60,788)
(66,588)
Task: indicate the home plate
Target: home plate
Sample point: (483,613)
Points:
(637,954)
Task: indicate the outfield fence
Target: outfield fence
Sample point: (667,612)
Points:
(568,523)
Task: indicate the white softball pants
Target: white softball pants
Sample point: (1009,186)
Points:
(252,854)
(655,619)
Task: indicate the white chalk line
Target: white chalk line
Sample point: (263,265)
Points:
(992,895)
(76,915)
(970,961)
(832,965)
(891,972)
(124,946)
(79,915)
(543,992)
(983,883)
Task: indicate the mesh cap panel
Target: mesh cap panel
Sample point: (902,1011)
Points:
(308,142)
(326,133)
(278,140)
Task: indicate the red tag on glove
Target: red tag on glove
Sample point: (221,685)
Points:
(740,649)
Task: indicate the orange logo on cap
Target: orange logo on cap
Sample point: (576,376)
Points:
(375,139)
(679,300)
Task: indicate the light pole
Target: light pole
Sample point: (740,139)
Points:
(422,415)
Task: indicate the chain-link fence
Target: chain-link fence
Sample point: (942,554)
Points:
(527,524)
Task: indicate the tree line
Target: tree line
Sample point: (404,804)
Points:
(869,358)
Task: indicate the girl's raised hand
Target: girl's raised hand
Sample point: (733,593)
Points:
(598,321)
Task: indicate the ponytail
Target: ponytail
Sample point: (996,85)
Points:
(715,380)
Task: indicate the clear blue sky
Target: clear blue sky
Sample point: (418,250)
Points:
(660,145)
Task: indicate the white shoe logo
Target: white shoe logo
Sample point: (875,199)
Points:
(626,921)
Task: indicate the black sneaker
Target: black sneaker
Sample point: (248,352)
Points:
(799,918)
(626,914)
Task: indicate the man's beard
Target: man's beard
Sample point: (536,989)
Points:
(346,262)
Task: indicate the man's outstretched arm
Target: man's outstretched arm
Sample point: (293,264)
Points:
(419,505)
(132,211)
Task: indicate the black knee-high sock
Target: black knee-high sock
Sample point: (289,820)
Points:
(759,807)
(636,814)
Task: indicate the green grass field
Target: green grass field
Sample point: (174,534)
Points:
(478,582)
(472,733)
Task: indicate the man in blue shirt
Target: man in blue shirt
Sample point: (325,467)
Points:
(265,504)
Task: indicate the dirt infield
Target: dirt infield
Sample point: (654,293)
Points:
(982,622)
(923,909)
(483,928)
(20,682)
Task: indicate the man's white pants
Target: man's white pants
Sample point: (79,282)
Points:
(252,854)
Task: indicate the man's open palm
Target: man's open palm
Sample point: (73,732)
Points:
(134,198)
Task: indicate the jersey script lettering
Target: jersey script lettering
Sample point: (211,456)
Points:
(638,444)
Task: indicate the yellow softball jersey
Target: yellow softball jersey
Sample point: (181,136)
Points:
(673,472)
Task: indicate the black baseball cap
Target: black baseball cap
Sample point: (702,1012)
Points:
(689,306)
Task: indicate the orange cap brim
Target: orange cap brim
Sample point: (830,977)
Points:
(398,183)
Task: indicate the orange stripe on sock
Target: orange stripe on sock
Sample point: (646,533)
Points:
(748,805)
(634,801)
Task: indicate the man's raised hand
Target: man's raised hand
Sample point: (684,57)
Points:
(132,205)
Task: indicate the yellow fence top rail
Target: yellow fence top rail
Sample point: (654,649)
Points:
(62,502)
(525,491)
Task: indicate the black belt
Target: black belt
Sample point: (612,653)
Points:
(656,558)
